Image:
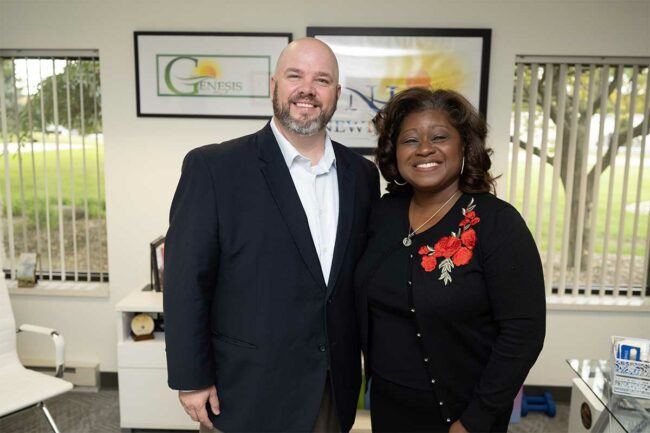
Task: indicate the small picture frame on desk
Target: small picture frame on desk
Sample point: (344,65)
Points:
(27,269)
(158,263)
(630,367)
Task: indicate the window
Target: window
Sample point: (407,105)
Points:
(51,176)
(579,171)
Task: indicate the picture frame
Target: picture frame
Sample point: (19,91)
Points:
(157,248)
(376,63)
(27,270)
(205,74)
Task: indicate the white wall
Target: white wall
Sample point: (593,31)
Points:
(143,155)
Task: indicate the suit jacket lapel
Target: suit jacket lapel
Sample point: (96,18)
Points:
(284,193)
(346,212)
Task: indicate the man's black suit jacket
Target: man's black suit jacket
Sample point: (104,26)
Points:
(246,305)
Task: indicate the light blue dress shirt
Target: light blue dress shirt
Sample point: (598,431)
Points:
(318,190)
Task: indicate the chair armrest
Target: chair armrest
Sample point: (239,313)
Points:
(59,344)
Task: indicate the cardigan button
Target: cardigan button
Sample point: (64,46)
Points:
(441,403)
(412,310)
(410,283)
(322,348)
(411,255)
(448,420)
(426,359)
(433,381)
(418,335)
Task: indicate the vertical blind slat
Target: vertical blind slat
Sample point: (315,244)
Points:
(582,199)
(5,147)
(557,168)
(612,175)
(59,189)
(530,140)
(519,90)
(548,96)
(568,194)
(100,197)
(30,125)
(19,154)
(637,210)
(603,95)
(626,179)
(45,180)
(71,171)
(85,172)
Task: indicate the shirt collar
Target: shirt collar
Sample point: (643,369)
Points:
(290,153)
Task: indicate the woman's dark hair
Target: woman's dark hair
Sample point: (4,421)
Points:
(476,177)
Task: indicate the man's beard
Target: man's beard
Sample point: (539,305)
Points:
(305,127)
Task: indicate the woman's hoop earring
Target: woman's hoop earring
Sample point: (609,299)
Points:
(399,183)
(462,166)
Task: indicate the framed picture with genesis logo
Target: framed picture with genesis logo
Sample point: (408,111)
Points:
(376,63)
(198,74)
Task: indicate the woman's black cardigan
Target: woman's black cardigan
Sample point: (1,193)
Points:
(484,329)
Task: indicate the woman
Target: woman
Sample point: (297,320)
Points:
(450,288)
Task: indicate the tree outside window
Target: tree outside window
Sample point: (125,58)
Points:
(52,175)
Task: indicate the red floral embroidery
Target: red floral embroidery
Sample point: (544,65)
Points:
(469,220)
(462,257)
(429,263)
(447,246)
(468,238)
(456,249)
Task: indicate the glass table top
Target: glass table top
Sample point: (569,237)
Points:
(630,413)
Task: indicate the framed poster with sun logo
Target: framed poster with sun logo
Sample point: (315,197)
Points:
(227,75)
(376,63)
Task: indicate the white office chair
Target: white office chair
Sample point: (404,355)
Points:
(21,388)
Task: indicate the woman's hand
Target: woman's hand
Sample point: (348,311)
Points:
(457,427)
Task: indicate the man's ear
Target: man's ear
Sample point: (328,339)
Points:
(338,91)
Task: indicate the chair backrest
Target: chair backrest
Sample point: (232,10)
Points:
(8,353)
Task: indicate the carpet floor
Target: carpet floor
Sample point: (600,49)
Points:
(98,412)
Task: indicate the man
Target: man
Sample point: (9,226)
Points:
(265,231)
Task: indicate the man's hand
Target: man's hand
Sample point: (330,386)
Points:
(194,404)
(457,427)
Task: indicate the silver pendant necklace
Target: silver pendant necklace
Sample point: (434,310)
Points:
(407,241)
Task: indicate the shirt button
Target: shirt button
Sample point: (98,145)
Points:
(412,310)
(411,255)
(329,301)
(418,335)
(448,420)
(322,348)
(441,403)
(410,283)
(426,359)
(433,381)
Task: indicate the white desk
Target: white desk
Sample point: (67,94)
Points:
(145,399)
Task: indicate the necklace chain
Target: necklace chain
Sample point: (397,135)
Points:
(407,240)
